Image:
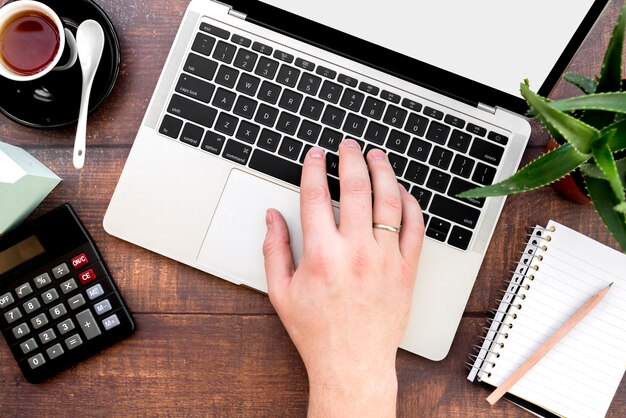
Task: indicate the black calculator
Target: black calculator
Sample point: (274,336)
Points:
(58,301)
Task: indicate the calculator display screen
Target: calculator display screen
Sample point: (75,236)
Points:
(20,253)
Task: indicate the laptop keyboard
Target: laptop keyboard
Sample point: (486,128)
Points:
(262,107)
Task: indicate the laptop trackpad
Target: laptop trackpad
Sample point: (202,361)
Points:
(233,245)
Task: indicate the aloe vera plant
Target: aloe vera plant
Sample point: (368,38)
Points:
(591,132)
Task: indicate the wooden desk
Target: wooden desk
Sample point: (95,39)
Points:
(204,347)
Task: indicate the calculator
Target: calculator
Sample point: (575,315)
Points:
(58,301)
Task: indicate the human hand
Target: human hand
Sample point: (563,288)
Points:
(347,304)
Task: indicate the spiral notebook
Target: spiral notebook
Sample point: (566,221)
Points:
(556,274)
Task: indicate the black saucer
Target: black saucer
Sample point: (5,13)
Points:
(53,101)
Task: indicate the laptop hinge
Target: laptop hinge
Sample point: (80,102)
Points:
(486,108)
(235,13)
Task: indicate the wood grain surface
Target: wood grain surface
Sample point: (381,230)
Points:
(205,347)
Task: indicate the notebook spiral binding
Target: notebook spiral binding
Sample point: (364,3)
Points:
(509,306)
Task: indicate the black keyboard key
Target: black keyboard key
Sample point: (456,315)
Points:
(433,113)
(288,75)
(438,132)
(248,84)
(201,67)
(224,52)
(368,88)
(355,124)
(214,30)
(459,140)
(458,186)
(416,172)
(213,142)
(411,104)
(227,76)
(283,56)
(226,124)
(287,123)
(499,138)
(460,237)
(266,68)
(352,100)
(330,92)
(309,131)
(269,92)
(245,59)
(240,40)
(266,115)
(307,148)
(398,163)
(203,44)
(454,121)
(290,148)
(376,133)
(373,108)
(416,124)
(309,84)
(332,164)
(441,158)
(192,134)
(347,80)
(290,100)
(248,132)
(398,141)
(476,130)
(195,88)
(245,107)
(312,108)
(454,211)
(307,65)
(438,229)
(392,97)
(419,149)
(193,111)
(237,152)
(484,174)
(486,151)
(333,116)
(268,140)
(395,116)
(438,180)
(422,196)
(262,48)
(462,166)
(170,126)
(325,72)
(370,147)
(330,139)
(426,218)
(224,99)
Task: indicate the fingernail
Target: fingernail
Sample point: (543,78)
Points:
(350,143)
(316,153)
(269,218)
(377,154)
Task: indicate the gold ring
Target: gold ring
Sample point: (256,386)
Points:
(387,227)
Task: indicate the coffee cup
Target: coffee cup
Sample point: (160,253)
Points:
(32,41)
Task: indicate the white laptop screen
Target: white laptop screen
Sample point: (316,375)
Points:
(496,43)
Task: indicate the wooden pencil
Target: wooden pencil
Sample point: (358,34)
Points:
(547,346)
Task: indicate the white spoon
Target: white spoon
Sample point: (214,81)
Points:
(90,44)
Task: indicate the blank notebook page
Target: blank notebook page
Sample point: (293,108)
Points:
(579,376)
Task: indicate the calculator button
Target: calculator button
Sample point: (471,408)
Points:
(76,302)
(6,300)
(79,261)
(57,311)
(39,321)
(87,276)
(50,296)
(60,270)
(42,280)
(36,361)
(88,324)
(31,306)
(110,322)
(65,326)
(23,290)
(47,336)
(21,330)
(95,292)
(28,346)
(102,307)
(55,351)
(13,315)
(73,341)
(68,286)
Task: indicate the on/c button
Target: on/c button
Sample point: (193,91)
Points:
(79,261)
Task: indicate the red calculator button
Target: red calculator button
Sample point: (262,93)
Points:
(80,260)
(87,276)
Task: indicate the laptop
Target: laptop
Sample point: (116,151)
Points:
(250,86)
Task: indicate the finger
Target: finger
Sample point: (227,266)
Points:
(355,209)
(412,233)
(279,265)
(316,211)
(387,198)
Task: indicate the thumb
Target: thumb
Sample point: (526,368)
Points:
(279,265)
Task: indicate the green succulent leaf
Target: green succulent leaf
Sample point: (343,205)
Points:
(606,163)
(618,140)
(592,170)
(621,208)
(604,201)
(609,102)
(544,170)
(573,130)
(586,84)
(611,73)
